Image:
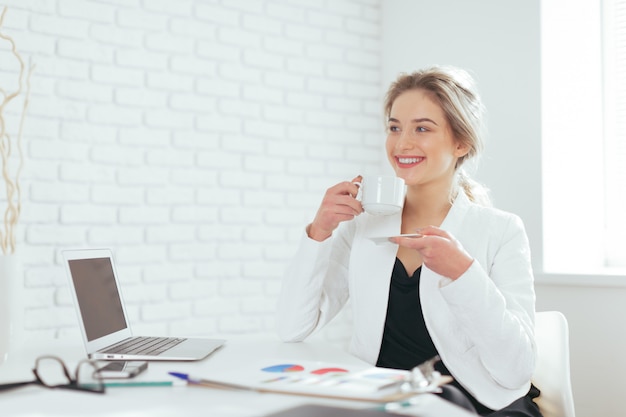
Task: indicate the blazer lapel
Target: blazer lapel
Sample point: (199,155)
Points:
(370,276)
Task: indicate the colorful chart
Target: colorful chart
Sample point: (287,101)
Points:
(283,368)
(323,371)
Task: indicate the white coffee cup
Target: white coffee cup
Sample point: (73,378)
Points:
(381,195)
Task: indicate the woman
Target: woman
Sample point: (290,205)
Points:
(463,291)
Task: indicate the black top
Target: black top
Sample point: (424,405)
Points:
(406,342)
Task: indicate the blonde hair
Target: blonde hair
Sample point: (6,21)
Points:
(454,90)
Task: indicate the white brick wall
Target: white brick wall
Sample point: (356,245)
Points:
(195,138)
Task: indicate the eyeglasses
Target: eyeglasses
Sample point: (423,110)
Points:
(51,372)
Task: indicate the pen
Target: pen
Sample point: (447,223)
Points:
(185,377)
(216,384)
(144,383)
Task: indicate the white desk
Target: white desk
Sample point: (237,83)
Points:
(32,401)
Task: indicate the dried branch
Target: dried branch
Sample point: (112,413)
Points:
(13,190)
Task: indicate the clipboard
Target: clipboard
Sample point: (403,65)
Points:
(392,397)
(377,385)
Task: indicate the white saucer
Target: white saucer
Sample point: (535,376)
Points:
(385,239)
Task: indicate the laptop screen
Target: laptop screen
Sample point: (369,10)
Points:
(98,296)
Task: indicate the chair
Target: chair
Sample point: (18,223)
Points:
(552,372)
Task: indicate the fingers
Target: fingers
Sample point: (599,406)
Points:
(358,178)
(348,202)
(356,181)
(433,231)
(440,251)
(350,187)
(417,243)
(332,213)
(338,205)
(340,199)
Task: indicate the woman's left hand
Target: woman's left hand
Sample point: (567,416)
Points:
(440,251)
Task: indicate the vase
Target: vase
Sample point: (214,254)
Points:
(11,305)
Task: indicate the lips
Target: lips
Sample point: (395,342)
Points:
(408,161)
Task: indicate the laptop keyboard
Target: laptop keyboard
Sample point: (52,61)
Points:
(145,345)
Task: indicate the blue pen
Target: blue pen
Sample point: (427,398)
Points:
(143,383)
(182,376)
(208,383)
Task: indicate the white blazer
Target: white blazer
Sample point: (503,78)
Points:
(481,324)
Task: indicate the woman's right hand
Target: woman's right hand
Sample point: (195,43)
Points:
(339,204)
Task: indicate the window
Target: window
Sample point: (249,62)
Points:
(614,46)
(583,145)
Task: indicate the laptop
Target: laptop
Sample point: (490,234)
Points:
(103,319)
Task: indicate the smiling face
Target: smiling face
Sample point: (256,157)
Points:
(420,145)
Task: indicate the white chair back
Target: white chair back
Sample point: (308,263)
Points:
(552,372)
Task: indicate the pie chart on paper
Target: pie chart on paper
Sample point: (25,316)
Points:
(284,368)
(323,371)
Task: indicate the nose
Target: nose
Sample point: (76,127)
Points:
(404,141)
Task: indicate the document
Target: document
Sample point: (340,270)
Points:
(320,379)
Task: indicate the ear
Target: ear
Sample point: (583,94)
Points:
(461,149)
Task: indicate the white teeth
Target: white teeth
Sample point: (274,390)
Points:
(408,160)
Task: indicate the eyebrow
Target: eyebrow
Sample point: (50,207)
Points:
(420,120)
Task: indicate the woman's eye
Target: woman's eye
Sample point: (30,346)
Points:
(394,129)
(421,129)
